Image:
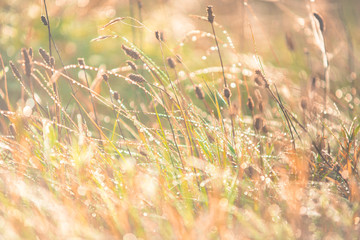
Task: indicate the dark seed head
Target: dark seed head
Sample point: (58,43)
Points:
(227,93)
(31,54)
(105,77)
(171,62)
(12,130)
(27,62)
(132,65)
(81,62)
(116,95)
(14,70)
(304,103)
(250,104)
(136,78)
(320,20)
(251,172)
(199,92)
(159,35)
(289,42)
(44,21)
(259,78)
(52,61)
(45,56)
(130,52)
(210,14)
(313,83)
(258,72)
(258,122)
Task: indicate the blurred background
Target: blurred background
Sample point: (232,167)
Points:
(75,22)
(278,31)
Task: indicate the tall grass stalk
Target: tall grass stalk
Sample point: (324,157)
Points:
(211,17)
(82,66)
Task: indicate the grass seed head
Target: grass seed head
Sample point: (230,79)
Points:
(44,21)
(304,104)
(132,65)
(171,62)
(27,62)
(199,92)
(313,83)
(81,62)
(31,54)
(320,20)
(130,52)
(14,70)
(227,93)
(45,56)
(52,61)
(250,104)
(210,14)
(289,42)
(251,172)
(259,122)
(159,36)
(105,77)
(260,79)
(116,95)
(136,78)
(12,129)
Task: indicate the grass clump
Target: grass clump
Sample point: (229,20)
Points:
(158,148)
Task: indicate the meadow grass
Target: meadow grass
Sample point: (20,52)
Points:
(159,148)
